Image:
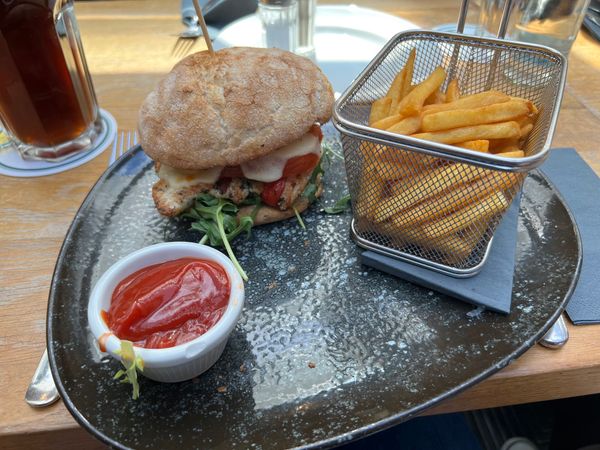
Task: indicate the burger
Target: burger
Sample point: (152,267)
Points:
(242,124)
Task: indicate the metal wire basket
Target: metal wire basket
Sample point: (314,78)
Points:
(433,204)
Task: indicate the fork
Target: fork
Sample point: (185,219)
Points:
(121,144)
(557,335)
(42,390)
(187,38)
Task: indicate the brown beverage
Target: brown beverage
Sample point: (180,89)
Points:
(46,96)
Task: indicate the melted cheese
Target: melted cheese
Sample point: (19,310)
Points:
(180,178)
(270,167)
(267,168)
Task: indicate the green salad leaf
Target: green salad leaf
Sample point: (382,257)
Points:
(132,364)
(340,206)
(299,218)
(217,219)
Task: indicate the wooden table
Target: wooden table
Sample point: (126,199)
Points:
(128,45)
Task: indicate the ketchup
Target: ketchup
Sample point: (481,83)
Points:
(170,303)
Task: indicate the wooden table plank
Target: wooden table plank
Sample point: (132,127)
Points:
(128,45)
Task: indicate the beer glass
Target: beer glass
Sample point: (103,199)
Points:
(47,101)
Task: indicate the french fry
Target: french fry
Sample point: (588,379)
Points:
(386,122)
(379,153)
(525,120)
(395,90)
(413,102)
(408,235)
(512,154)
(532,108)
(479,145)
(469,101)
(452,91)
(461,219)
(403,165)
(432,209)
(371,189)
(500,130)
(436,98)
(406,194)
(408,125)
(380,109)
(453,246)
(409,67)
(497,145)
(499,112)
(507,148)
(431,100)
(394,164)
(467,245)
(525,130)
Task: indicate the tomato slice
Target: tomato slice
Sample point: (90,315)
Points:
(300,164)
(272,192)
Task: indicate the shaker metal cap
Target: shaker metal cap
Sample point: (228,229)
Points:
(278,2)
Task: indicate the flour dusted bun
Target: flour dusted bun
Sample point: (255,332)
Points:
(237,105)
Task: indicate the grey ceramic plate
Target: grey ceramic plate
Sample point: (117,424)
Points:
(326,350)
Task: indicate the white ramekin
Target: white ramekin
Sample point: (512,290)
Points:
(184,361)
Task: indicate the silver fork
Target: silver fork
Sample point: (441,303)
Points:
(557,335)
(123,141)
(187,38)
(42,389)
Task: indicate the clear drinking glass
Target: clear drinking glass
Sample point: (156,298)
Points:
(47,100)
(306,28)
(547,22)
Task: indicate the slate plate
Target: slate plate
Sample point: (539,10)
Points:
(382,349)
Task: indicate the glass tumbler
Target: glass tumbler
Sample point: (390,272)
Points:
(306,28)
(47,101)
(547,22)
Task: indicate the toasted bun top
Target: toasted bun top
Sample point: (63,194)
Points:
(237,105)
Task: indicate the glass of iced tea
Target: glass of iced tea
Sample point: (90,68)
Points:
(47,100)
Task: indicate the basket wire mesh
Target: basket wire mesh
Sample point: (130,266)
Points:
(432,203)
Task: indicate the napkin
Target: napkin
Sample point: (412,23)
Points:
(491,287)
(580,188)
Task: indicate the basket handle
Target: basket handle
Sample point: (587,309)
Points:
(462,17)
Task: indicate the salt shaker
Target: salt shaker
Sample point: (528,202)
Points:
(280,23)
